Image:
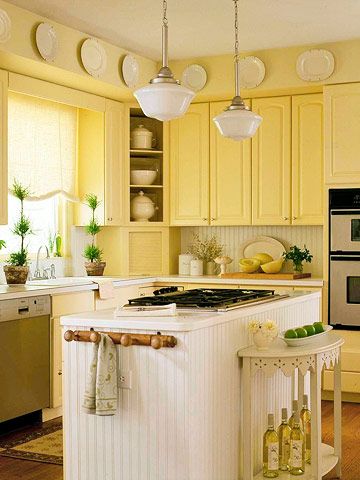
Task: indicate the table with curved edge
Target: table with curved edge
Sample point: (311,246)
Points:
(321,352)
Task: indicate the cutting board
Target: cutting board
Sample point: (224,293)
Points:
(266,276)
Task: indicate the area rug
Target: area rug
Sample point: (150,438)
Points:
(44,445)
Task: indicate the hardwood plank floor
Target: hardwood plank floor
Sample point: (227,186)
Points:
(14,469)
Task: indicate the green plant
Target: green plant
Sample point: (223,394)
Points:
(51,242)
(91,251)
(2,244)
(207,249)
(298,256)
(22,227)
(58,243)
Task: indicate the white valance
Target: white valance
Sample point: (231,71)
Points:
(42,146)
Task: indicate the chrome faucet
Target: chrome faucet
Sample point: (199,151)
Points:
(37,273)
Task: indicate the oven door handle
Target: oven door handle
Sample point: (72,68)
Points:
(345,212)
(344,258)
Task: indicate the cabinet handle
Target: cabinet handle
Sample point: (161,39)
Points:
(59,372)
(109,219)
(285,218)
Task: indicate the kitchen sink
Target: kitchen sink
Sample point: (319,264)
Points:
(60,282)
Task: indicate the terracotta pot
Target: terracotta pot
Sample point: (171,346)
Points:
(95,269)
(16,275)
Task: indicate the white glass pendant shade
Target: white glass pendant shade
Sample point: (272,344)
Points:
(238,124)
(163,100)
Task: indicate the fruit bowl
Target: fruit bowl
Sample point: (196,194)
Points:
(297,342)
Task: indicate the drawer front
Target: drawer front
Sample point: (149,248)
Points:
(72,303)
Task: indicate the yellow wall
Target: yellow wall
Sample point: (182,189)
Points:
(19,54)
(280,78)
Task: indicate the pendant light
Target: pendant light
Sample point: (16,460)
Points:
(237,121)
(164,98)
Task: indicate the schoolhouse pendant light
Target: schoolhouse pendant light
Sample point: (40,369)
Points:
(237,121)
(164,98)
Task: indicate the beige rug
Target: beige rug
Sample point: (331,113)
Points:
(44,445)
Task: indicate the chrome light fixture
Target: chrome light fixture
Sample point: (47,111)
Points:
(164,98)
(237,121)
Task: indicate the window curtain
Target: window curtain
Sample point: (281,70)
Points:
(42,146)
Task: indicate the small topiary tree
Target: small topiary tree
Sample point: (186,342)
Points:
(92,252)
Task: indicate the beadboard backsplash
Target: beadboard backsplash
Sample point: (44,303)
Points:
(233,237)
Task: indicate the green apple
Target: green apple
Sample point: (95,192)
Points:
(301,332)
(290,333)
(310,330)
(319,327)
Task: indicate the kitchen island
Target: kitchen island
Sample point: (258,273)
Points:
(181,417)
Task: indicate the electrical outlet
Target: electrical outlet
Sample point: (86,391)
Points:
(125,379)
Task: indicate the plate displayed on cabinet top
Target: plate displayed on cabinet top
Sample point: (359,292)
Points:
(46,41)
(315,65)
(5,26)
(251,72)
(194,77)
(130,71)
(93,57)
(261,244)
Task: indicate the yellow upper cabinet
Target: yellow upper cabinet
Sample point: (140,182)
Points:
(3,148)
(342,128)
(189,167)
(271,162)
(230,176)
(307,159)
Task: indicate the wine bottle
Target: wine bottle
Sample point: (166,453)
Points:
(297,448)
(295,408)
(284,432)
(305,418)
(270,450)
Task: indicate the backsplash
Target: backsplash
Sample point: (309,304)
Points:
(233,237)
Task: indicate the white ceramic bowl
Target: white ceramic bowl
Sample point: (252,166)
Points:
(142,177)
(297,342)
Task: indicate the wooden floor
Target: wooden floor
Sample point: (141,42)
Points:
(13,469)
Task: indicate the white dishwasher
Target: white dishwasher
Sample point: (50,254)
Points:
(24,356)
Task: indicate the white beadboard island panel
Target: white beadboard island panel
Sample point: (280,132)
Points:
(181,419)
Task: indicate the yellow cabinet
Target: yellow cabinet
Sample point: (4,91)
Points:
(307,160)
(271,159)
(189,167)
(3,148)
(230,176)
(342,127)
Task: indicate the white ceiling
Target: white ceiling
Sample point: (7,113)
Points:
(205,27)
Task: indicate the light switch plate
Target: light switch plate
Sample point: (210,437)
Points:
(125,379)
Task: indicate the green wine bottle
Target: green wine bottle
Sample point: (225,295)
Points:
(284,432)
(297,448)
(270,450)
(305,423)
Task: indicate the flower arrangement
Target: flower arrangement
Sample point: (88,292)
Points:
(268,328)
(207,249)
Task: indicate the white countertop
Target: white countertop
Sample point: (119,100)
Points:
(184,321)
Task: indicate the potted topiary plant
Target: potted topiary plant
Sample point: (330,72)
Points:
(17,271)
(298,256)
(94,266)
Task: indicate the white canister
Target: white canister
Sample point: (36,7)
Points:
(141,138)
(184,263)
(196,267)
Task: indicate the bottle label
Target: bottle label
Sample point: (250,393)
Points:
(273,456)
(296,453)
(285,448)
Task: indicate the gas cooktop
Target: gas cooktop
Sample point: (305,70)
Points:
(216,299)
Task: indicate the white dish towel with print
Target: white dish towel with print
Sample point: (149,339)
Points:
(100,397)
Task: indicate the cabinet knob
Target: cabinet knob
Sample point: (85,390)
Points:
(109,219)
(294,218)
(59,372)
(285,218)
(212,219)
(204,219)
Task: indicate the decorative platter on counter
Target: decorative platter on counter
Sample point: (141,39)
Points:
(251,72)
(194,77)
(315,65)
(261,244)
(46,41)
(297,342)
(130,71)
(93,57)
(5,26)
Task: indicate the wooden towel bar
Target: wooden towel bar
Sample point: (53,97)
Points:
(124,339)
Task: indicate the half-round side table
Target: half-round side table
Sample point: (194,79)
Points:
(321,352)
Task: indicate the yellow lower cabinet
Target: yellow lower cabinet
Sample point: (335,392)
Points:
(230,176)
(121,296)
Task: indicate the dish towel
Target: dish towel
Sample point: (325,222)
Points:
(106,289)
(100,397)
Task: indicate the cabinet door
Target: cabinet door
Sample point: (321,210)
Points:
(341,133)
(56,363)
(114,164)
(271,156)
(307,159)
(3,148)
(189,167)
(230,176)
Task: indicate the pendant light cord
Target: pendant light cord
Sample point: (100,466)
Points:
(236,56)
(165,36)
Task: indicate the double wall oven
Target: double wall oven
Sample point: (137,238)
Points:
(344,257)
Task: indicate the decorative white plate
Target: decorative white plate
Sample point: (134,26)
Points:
(315,65)
(46,41)
(93,57)
(251,72)
(5,26)
(130,71)
(261,244)
(194,77)
(297,342)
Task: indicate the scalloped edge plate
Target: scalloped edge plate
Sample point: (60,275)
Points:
(315,65)
(93,57)
(194,77)
(130,71)
(266,245)
(297,342)
(46,41)
(251,72)
(5,26)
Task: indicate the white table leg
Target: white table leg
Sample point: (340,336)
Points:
(300,388)
(337,414)
(315,391)
(248,463)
